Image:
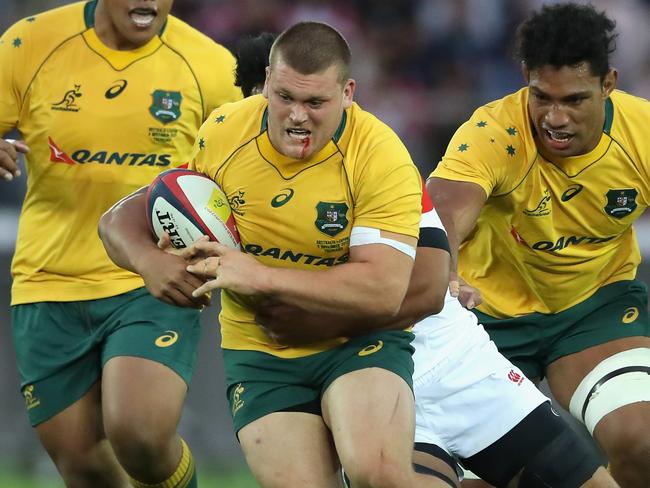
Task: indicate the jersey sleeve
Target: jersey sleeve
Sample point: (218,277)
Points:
(484,151)
(387,186)
(14,49)
(220,88)
(200,158)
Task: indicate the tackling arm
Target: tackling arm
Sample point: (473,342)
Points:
(458,204)
(425,296)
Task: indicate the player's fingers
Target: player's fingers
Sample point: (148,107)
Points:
(205,268)
(191,284)
(178,298)
(20,146)
(454,288)
(206,287)
(8,163)
(165,242)
(210,248)
(190,253)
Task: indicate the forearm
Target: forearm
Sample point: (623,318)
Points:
(425,296)
(125,233)
(458,204)
(353,289)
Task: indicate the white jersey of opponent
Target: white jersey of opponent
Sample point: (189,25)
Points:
(467,395)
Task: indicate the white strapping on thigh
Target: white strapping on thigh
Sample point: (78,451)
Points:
(370,235)
(619,380)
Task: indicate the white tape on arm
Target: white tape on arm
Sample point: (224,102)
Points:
(369,235)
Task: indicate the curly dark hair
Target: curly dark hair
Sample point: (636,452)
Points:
(252,55)
(567,34)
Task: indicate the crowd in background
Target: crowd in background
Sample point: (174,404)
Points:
(421,65)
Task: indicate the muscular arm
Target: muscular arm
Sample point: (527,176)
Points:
(125,234)
(371,284)
(425,296)
(126,223)
(458,204)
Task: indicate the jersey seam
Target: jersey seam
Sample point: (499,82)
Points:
(532,163)
(302,170)
(196,79)
(231,155)
(590,164)
(40,66)
(119,70)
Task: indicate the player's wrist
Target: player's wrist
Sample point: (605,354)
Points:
(264,284)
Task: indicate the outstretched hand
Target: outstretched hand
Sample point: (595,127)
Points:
(228,268)
(468,296)
(9,150)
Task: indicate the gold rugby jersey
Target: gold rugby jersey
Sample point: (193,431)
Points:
(551,232)
(299,214)
(100,124)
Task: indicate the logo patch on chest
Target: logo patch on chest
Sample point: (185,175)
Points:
(331,218)
(621,202)
(166,105)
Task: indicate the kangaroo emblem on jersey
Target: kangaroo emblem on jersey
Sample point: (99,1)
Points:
(542,208)
(166,105)
(67,103)
(621,202)
(331,218)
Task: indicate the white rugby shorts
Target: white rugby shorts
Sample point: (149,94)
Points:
(467,395)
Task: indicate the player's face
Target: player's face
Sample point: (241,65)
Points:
(129,24)
(567,108)
(304,110)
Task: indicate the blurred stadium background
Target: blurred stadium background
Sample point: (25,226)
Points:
(421,65)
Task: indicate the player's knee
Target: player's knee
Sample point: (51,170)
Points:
(566,462)
(628,448)
(140,443)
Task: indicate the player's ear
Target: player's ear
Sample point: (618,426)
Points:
(348,93)
(525,72)
(609,82)
(265,90)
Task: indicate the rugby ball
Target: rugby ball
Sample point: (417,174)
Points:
(188,205)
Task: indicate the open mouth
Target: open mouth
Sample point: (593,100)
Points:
(559,136)
(143,17)
(298,135)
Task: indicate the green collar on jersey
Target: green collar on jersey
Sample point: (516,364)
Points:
(609,115)
(337,135)
(89,16)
